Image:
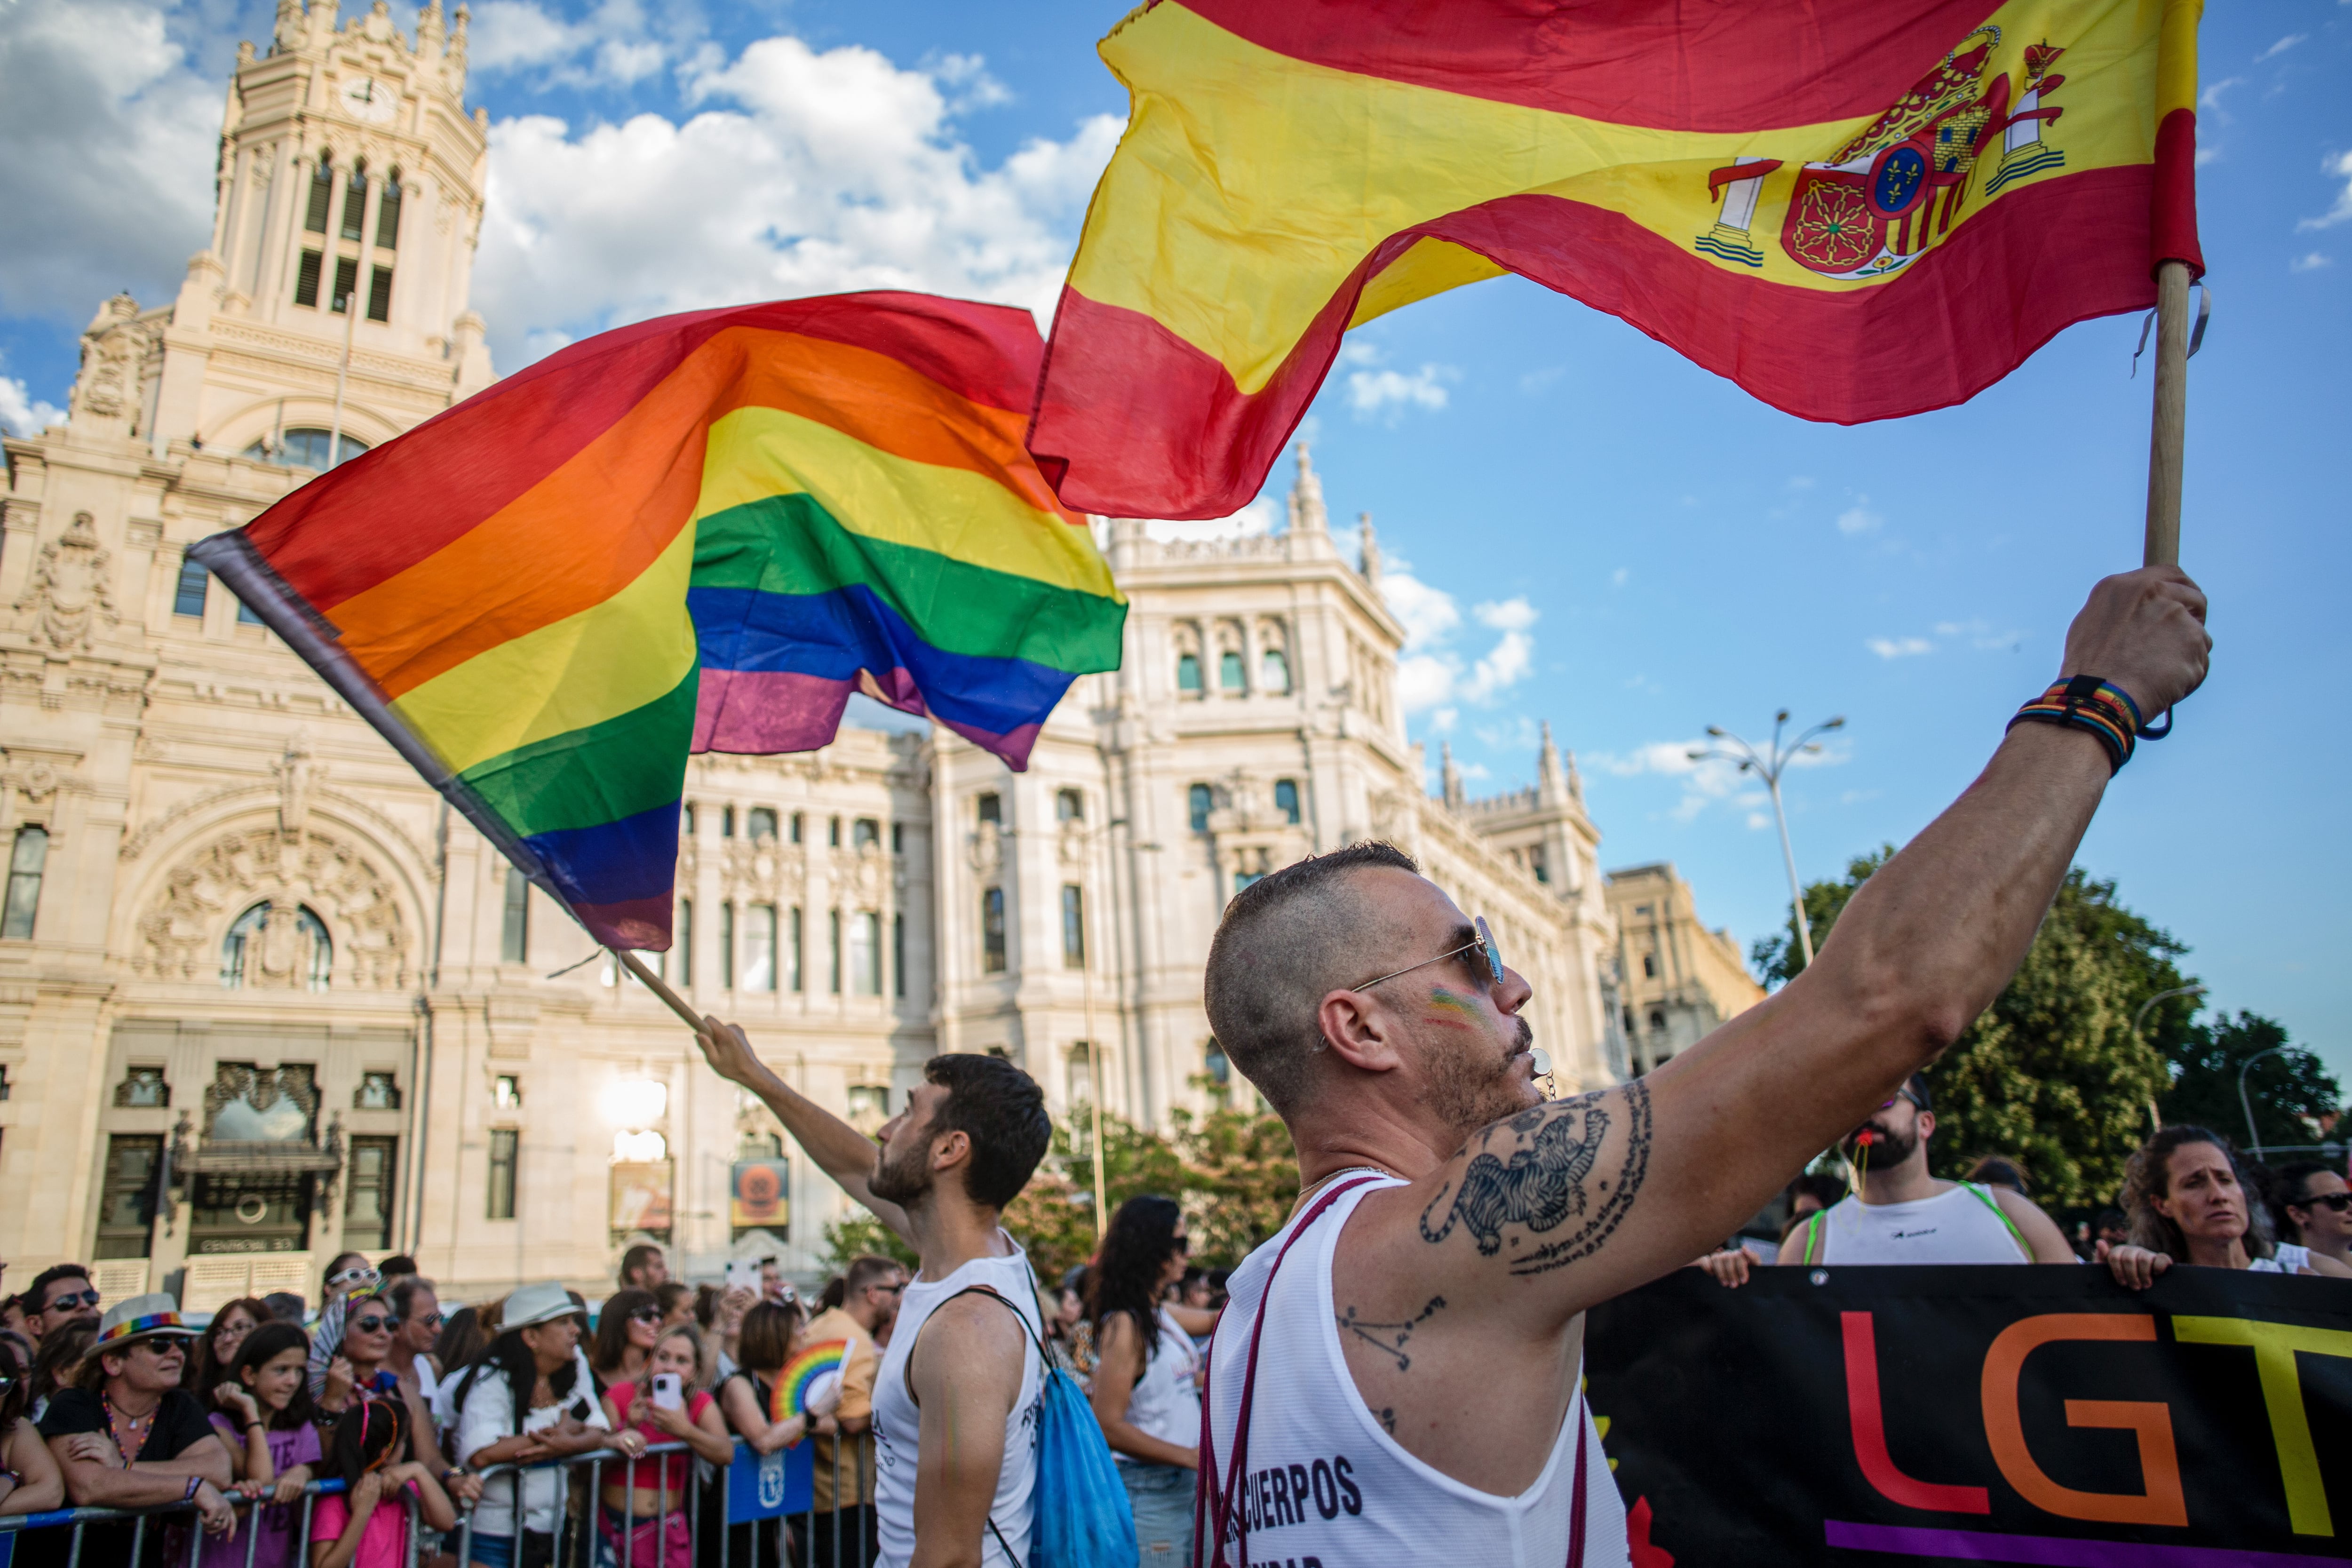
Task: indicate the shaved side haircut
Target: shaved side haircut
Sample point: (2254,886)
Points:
(1286,942)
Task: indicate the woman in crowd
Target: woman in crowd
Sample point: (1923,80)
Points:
(1146,1387)
(676,1298)
(55,1362)
(646,1510)
(460,1346)
(1069,1337)
(261,1411)
(530,1397)
(30,1481)
(362,1369)
(2190,1203)
(367,1525)
(720,1314)
(216,1347)
(626,1327)
(763,1345)
(2316,1205)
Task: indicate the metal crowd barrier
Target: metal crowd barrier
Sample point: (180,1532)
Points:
(581,1540)
(14,1526)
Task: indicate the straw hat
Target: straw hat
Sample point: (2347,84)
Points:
(536,1304)
(155,1316)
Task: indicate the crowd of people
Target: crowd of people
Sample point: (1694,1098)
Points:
(135,1407)
(1340,1406)
(2189,1197)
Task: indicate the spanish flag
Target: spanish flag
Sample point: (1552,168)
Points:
(1856,209)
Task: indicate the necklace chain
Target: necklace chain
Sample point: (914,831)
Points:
(1322,1181)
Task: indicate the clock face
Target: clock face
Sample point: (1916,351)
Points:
(370,99)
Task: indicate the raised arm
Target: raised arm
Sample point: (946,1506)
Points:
(1588,1197)
(966,1373)
(840,1149)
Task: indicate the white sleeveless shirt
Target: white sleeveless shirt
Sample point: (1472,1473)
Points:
(1166,1402)
(1326,1482)
(2288,1258)
(1962,1226)
(897,1420)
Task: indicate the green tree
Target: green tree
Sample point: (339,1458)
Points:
(2051,1074)
(2295,1099)
(856,1233)
(1243,1173)
(1054,1217)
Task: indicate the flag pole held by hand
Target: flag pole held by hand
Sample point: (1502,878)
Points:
(2169,423)
(658,986)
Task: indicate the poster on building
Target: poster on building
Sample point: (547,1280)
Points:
(759,1195)
(641,1198)
(1884,1415)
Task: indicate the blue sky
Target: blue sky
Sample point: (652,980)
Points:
(1594,533)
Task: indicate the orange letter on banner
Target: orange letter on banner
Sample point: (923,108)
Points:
(1863,1409)
(2161,1504)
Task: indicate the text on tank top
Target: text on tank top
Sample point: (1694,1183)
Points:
(1165,1403)
(2288,1259)
(1963,1225)
(1325,1480)
(897,1420)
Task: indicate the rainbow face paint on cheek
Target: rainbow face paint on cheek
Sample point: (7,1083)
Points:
(1457,1001)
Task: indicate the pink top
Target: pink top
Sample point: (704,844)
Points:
(383,1541)
(643,1473)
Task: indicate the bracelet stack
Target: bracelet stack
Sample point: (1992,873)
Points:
(2086,702)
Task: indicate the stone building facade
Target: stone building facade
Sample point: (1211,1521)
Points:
(1679,978)
(263,999)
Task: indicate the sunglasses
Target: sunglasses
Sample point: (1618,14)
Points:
(72,1300)
(372,1324)
(646,1315)
(1488,970)
(1899,1094)
(2339,1202)
(351,1276)
(1182,1244)
(433,1320)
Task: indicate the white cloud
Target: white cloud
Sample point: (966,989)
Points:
(2311,261)
(2280,46)
(111,133)
(1374,391)
(1536,381)
(23,414)
(1800,482)
(2338,167)
(1620,577)
(799,173)
(2209,101)
(967,82)
(1899,647)
(609,48)
(1433,677)
(1858,517)
(1707,779)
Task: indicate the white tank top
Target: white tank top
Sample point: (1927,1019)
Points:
(2288,1258)
(1165,1403)
(1963,1225)
(898,1421)
(1327,1483)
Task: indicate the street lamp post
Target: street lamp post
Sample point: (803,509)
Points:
(1769,766)
(2253,1135)
(1087,835)
(2156,1123)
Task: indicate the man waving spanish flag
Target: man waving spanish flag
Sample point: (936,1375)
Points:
(1854,210)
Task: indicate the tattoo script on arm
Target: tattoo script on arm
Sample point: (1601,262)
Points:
(1533,1177)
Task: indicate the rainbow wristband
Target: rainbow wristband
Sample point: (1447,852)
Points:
(2086,702)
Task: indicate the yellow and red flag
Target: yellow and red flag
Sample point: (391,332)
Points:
(1854,209)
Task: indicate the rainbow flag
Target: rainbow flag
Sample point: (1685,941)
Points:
(697,533)
(1856,209)
(807,1379)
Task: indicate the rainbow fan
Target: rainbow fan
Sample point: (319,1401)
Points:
(809,1383)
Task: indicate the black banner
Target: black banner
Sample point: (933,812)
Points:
(1891,1417)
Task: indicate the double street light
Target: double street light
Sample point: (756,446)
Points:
(1769,766)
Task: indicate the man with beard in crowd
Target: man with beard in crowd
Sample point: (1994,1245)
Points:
(955,1397)
(1903,1215)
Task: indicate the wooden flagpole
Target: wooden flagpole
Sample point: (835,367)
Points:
(2169,423)
(658,986)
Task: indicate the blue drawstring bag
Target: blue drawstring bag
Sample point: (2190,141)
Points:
(1080,1515)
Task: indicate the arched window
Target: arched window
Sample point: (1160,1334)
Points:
(864,833)
(387,214)
(1069,806)
(1198,802)
(267,942)
(1649,966)
(1230,674)
(304,446)
(761,824)
(1657,1021)
(322,195)
(1188,673)
(355,200)
(1274,672)
(1285,799)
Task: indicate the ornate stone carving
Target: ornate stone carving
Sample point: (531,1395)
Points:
(106,393)
(181,936)
(297,776)
(274,1105)
(986,851)
(70,595)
